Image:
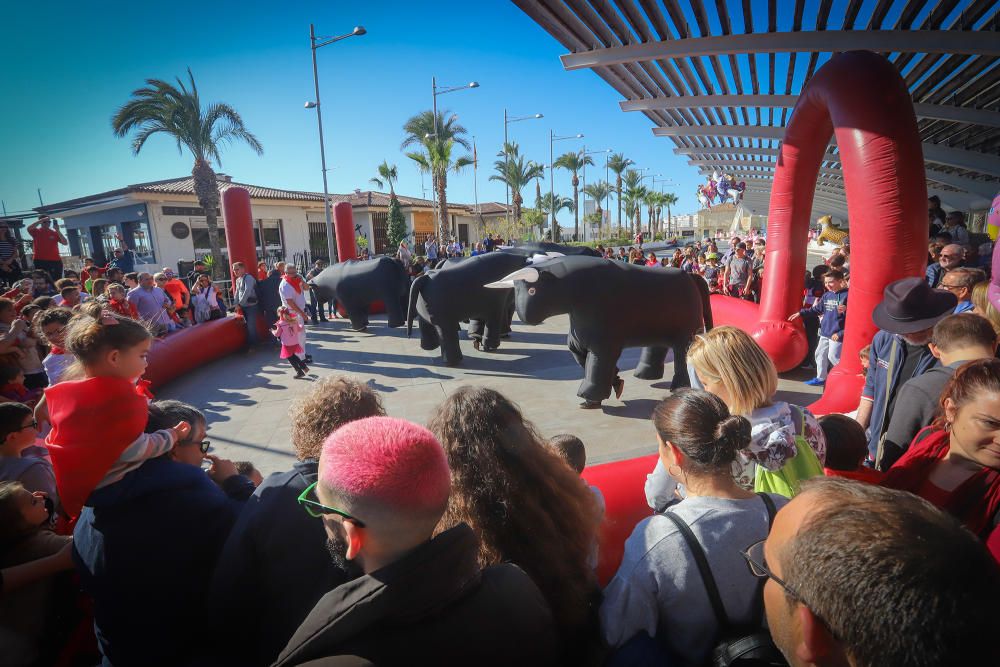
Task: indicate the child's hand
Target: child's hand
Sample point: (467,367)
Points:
(181,431)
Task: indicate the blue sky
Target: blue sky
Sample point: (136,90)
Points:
(68,66)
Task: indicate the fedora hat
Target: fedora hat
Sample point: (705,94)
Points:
(911,305)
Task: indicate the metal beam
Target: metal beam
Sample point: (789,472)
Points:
(981,188)
(935,111)
(723,164)
(744,131)
(830,156)
(962,159)
(970,42)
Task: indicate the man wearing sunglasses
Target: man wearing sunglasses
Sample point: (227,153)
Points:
(865,576)
(383,487)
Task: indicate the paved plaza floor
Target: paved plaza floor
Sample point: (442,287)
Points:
(246,396)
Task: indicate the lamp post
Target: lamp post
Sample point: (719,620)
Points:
(435,91)
(316,43)
(552,206)
(507,120)
(585,154)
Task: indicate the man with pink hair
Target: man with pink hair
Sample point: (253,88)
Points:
(423,599)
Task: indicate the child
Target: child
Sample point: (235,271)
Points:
(90,450)
(12,386)
(26,615)
(287,330)
(18,431)
(832,308)
(17,336)
(247,469)
(119,304)
(711,272)
(572,450)
(846,449)
(50,327)
(865,353)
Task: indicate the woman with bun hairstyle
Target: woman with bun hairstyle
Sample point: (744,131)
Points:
(658,592)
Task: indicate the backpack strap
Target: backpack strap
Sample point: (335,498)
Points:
(706,572)
(758,613)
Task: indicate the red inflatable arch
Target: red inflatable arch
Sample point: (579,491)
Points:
(347,247)
(859,97)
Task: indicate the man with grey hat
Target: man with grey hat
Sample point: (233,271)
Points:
(906,318)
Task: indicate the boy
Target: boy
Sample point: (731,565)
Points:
(572,450)
(738,273)
(832,308)
(18,431)
(711,272)
(846,449)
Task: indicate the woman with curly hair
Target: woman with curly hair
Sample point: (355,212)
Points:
(527,506)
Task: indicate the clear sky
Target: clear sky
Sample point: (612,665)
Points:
(69,65)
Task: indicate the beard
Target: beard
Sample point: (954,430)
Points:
(336,546)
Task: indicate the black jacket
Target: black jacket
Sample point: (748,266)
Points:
(916,406)
(433,607)
(272,571)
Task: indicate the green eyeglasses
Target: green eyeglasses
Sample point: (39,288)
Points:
(317,509)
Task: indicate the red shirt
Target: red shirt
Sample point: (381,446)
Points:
(176,289)
(46,244)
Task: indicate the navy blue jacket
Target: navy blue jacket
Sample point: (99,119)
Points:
(831,322)
(272,571)
(145,548)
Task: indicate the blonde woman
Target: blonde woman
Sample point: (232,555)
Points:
(982,306)
(727,362)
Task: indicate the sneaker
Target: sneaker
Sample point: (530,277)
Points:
(590,405)
(309,359)
(299,375)
(476,343)
(816,382)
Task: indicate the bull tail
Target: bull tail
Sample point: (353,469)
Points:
(411,309)
(706,300)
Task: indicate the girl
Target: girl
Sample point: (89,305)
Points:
(89,450)
(206,300)
(651,259)
(261,270)
(287,330)
(118,304)
(98,288)
(50,328)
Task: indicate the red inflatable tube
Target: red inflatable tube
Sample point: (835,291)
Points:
(192,348)
(347,248)
(623,486)
(861,98)
(238,220)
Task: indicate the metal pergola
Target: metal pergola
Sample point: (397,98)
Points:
(719,79)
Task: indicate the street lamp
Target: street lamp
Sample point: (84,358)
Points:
(315,43)
(552,205)
(585,154)
(435,91)
(507,120)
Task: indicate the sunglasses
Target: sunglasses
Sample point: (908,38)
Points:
(317,509)
(950,287)
(202,446)
(33,424)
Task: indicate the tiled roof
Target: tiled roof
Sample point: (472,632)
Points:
(185,186)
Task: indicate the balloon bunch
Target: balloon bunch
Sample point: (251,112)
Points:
(723,187)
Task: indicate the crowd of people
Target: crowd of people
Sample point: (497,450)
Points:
(867,539)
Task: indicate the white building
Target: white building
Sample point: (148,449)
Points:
(163,223)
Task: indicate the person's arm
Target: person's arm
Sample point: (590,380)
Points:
(13,578)
(34,226)
(151,445)
(908,417)
(59,235)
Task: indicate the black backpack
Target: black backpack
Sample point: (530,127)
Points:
(737,646)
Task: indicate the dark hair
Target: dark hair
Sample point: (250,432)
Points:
(166,414)
(8,373)
(968,381)
(13,526)
(244,467)
(834,274)
(934,199)
(69,289)
(11,416)
(5,303)
(63,282)
(871,562)
(89,336)
(511,489)
(846,444)
(819,271)
(570,448)
(700,425)
(865,352)
(132,275)
(962,330)
(99,285)
(943,237)
(46,317)
(741,246)
(837,262)
(43,302)
(30,311)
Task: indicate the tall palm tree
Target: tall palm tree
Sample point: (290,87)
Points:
(162,107)
(651,201)
(669,199)
(437,136)
(552,204)
(618,163)
(633,197)
(516,172)
(598,192)
(573,162)
(387,175)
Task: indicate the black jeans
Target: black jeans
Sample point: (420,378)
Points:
(298,364)
(52,267)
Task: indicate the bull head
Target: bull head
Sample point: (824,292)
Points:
(528,274)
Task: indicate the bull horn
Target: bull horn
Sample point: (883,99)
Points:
(526,274)
(547,257)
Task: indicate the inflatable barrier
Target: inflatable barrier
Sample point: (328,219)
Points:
(186,350)
(623,486)
(860,98)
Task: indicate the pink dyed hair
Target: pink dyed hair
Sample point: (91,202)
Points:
(394,462)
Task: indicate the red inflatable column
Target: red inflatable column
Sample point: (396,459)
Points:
(343,222)
(239,235)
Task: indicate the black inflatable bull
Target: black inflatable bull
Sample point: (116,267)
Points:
(544,247)
(444,297)
(612,306)
(356,284)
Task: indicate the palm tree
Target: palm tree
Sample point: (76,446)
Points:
(669,199)
(437,136)
(573,162)
(552,204)
(651,200)
(387,175)
(162,107)
(598,192)
(634,195)
(618,163)
(516,172)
